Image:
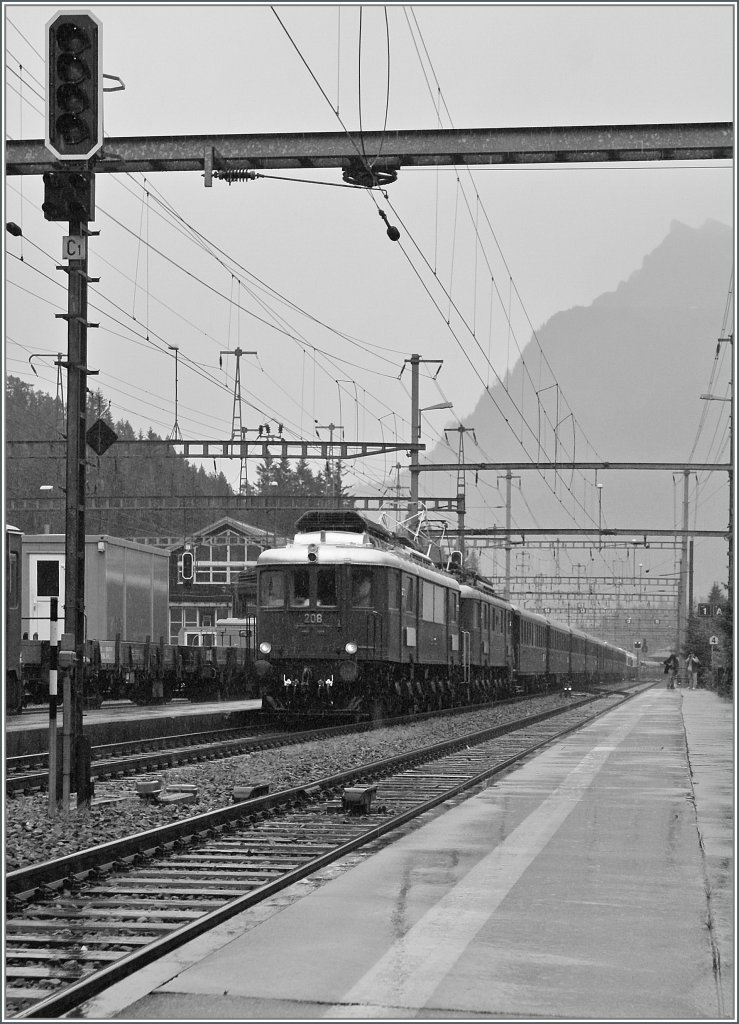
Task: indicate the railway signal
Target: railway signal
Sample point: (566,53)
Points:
(74,86)
(188,565)
(69,195)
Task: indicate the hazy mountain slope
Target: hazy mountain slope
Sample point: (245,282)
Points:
(633,364)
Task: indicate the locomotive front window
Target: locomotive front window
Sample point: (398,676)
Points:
(326,588)
(272,589)
(300,588)
(362,588)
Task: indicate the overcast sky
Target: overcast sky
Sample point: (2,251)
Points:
(291,268)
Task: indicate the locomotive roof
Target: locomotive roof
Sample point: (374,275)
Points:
(342,520)
(331,552)
(468,590)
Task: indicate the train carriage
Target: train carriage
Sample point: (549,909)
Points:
(487,643)
(530,638)
(578,657)
(560,652)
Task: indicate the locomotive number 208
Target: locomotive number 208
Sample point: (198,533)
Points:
(313,617)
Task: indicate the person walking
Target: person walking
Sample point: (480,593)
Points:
(691,664)
(671,668)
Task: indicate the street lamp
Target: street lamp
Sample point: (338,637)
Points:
(427,408)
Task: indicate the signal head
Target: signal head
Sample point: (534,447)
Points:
(74,86)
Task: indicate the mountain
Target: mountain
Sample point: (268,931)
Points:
(631,366)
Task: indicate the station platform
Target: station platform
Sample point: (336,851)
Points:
(118,721)
(594,882)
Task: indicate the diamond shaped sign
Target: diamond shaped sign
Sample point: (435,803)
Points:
(100,437)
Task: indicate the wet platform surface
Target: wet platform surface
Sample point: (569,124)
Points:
(594,882)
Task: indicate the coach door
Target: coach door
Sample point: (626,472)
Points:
(366,623)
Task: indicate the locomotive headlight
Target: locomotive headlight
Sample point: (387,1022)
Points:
(351,647)
(312,552)
(265,647)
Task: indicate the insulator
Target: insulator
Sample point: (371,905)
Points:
(235,174)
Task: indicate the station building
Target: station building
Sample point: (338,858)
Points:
(203,571)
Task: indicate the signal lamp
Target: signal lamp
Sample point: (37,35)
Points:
(69,196)
(187,565)
(74,86)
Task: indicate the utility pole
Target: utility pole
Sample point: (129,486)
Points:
(331,427)
(682,593)
(74,570)
(175,434)
(508,481)
(415,361)
(237,429)
(730,399)
(461,484)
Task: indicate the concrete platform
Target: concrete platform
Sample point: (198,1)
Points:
(115,722)
(594,882)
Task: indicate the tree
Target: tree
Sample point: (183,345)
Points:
(34,416)
(699,631)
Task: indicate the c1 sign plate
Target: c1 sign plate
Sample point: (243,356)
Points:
(74,247)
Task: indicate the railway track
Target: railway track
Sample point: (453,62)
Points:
(28,773)
(77,925)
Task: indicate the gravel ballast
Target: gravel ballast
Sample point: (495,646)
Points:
(32,836)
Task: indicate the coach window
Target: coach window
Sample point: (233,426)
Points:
(326,588)
(362,588)
(300,588)
(453,607)
(272,590)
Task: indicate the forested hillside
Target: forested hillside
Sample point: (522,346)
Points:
(32,415)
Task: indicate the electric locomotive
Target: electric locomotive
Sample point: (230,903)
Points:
(348,616)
